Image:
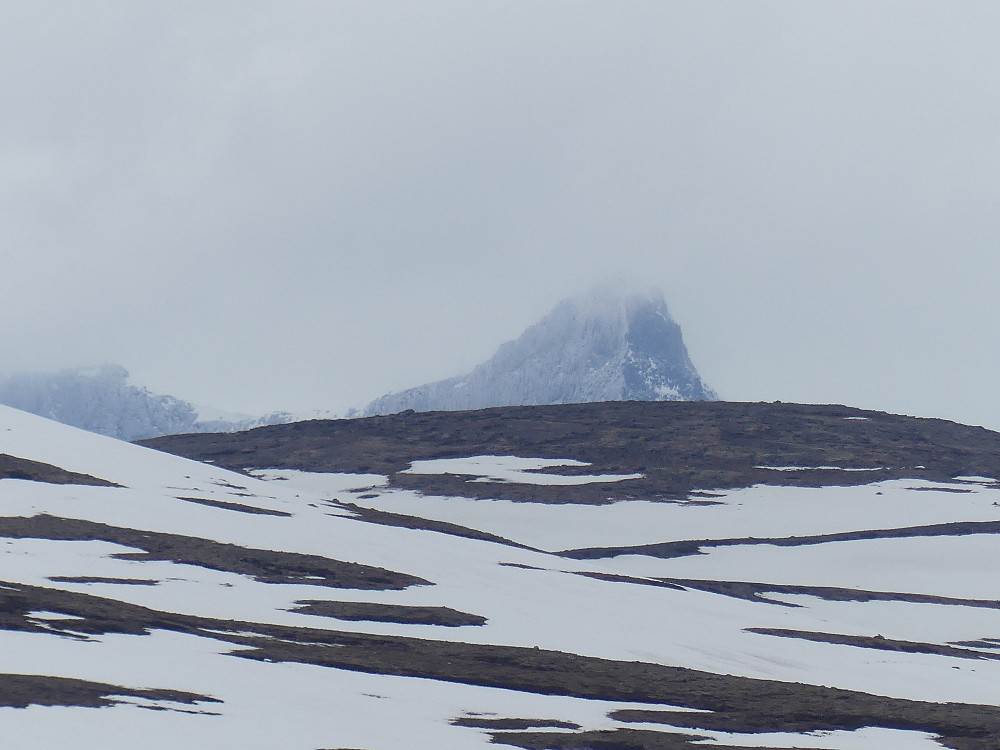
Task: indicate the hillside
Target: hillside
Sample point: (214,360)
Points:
(678,447)
(819,577)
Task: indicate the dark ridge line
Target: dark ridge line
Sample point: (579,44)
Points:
(981,643)
(956,490)
(618,578)
(679,447)
(230,485)
(12,467)
(419,523)
(396,613)
(983,739)
(682,548)
(240,507)
(608,739)
(740,704)
(477,722)
(101,579)
(876,642)
(756,591)
(735,704)
(22,690)
(266,566)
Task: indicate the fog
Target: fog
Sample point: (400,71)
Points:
(262,206)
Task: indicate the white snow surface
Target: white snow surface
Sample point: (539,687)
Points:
(530,597)
(515,469)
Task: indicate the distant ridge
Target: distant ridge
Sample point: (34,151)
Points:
(101,399)
(607,345)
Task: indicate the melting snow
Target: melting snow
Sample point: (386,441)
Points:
(512,469)
(544,602)
(42,615)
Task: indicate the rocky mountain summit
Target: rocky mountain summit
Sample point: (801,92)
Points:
(607,345)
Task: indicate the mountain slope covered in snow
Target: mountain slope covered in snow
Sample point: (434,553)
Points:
(398,599)
(604,346)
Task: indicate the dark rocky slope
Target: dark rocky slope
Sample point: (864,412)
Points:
(680,447)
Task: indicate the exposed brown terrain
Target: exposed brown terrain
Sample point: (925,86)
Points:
(21,691)
(264,565)
(12,467)
(684,451)
(734,704)
(679,447)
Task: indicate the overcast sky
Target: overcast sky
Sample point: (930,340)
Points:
(296,205)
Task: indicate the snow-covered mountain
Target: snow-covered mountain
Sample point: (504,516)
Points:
(102,400)
(846,601)
(608,345)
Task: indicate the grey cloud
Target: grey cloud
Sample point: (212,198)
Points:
(266,206)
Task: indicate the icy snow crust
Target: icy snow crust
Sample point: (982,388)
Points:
(530,597)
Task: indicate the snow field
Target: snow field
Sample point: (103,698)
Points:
(548,604)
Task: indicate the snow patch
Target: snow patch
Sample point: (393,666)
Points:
(513,469)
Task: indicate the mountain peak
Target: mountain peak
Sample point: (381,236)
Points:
(610,344)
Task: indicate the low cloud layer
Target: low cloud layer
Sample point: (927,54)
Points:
(262,206)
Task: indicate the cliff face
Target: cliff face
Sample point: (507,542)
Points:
(604,346)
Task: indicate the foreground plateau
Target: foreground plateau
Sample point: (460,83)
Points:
(615,576)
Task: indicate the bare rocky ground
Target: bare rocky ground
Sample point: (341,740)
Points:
(12,467)
(680,447)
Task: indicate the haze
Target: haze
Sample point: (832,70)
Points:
(261,206)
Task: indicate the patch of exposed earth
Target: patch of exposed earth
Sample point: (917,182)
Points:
(678,447)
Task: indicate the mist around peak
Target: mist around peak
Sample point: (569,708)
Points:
(613,343)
